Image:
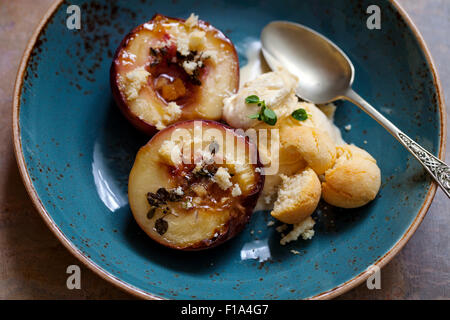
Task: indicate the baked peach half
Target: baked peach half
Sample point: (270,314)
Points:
(169,70)
(195,184)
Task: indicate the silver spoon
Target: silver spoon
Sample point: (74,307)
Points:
(326,74)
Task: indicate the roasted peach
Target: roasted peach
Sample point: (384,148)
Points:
(169,70)
(195,184)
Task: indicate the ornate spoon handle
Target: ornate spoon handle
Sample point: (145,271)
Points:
(439,170)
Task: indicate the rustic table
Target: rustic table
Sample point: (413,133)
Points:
(33,263)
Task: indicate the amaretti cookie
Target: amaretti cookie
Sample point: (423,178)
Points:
(298,197)
(354,180)
(311,144)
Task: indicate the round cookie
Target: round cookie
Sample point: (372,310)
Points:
(312,144)
(298,197)
(354,180)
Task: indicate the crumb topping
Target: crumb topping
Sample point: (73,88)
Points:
(303,229)
(223,178)
(192,21)
(236,191)
(136,79)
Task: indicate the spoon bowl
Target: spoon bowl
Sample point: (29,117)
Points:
(324,70)
(326,74)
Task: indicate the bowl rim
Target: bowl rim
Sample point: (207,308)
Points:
(329,294)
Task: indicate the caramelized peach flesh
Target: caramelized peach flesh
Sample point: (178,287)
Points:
(183,204)
(169,70)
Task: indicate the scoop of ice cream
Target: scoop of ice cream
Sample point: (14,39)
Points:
(354,180)
(275,88)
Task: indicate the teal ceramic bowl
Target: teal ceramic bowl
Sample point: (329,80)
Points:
(75,150)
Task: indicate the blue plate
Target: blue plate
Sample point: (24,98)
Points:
(75,151)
